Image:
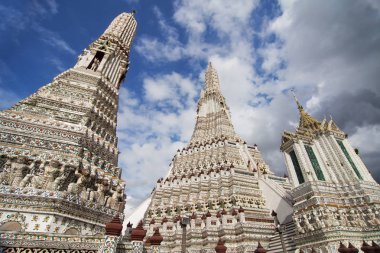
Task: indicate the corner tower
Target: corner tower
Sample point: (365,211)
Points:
(334,194)
(59,171)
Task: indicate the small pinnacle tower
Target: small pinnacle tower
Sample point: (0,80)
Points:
(214,182)
(59,169)
(334,194)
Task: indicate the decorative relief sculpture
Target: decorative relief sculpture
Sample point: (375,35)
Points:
(95,64)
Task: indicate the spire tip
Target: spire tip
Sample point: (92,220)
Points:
(295,98)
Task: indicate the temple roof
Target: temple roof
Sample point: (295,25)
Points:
(306,120)
(308,126)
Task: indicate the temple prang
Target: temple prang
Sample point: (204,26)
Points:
(59,173)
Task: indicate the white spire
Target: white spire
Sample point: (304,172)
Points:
(213,115)
(211,79)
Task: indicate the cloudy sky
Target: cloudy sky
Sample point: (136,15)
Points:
(328,51)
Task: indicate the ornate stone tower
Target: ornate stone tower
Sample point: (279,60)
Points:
(214,182)
(59,171)
(335,196)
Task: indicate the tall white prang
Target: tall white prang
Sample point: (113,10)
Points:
(59,174)
(213,183)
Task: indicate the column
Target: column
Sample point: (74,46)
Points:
(137,237)
(358,161)
(241,215)
(302,160)
(155,241)
(112,235)
(291,171)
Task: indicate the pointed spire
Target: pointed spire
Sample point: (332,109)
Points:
(211,79)
(306,121)
(213,115)
(300,108)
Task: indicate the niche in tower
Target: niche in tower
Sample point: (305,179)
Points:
(94,64)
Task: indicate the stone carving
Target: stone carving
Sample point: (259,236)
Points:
(19,169)
(116,198)
(342,218)
(95,64)
(6,172)
(372,220)
(306,224)
(300,229)
(99,196)
(83,177)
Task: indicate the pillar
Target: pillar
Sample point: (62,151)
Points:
(155,241)
(112,236)
(241,214)
(137,237)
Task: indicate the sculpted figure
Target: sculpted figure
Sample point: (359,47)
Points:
(362,221)
(59,181)
(95,64)
(299,227)
(372,220)
(26,180)
(4,175)
(327,217)
(308,227)
(37,181)
(19,169)
(99,195)
(335,220)
(353,219)
(51,172)
(83,178)
(376,212)
(342,218)
(318,223)
(117,197)
(85,194)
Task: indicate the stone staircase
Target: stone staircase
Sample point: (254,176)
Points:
(275,245)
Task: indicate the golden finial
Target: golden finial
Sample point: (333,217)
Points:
(295,98)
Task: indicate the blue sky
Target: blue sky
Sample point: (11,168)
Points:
(328,51)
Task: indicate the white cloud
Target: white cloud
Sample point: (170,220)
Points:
(11,18)
(53,39)
(152,127)
(360,138)
(7,98)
